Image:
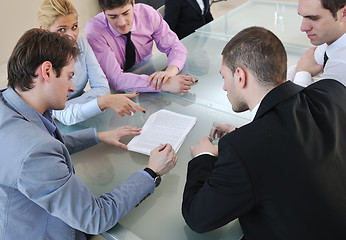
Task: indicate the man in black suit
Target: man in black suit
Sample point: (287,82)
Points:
(185,16)
(284,174)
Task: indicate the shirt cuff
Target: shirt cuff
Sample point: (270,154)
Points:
(303,78)
(96,136)
(147,174)
(291,72)
(178,64)
(91,109)
(205,153)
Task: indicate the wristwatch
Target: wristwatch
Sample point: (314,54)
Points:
(154,175)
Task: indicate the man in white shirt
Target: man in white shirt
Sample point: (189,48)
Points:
(324,22)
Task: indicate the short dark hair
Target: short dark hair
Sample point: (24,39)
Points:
(33,48)
(261,52)
(110,4)
(333,5)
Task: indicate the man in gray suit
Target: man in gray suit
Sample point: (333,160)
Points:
(40,196)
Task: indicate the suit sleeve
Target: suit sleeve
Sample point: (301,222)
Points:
(47,180)
(172,12)
(216,194)
(80,140)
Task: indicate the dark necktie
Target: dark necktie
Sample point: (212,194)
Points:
(325,59)
(129,52)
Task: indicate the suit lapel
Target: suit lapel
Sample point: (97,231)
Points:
(277,95)
(206,6)
(58,134)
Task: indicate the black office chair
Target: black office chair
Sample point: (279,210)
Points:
(154,3)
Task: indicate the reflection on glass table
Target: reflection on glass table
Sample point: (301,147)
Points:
(159,216)
(279,17)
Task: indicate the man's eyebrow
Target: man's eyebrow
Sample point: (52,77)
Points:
(114,15)
(307,16)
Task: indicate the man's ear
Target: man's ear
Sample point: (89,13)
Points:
(46,71)
(241,77)
(343,11)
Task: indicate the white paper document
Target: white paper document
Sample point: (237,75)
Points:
(162,127)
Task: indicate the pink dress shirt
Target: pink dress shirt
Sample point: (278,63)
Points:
(109,46)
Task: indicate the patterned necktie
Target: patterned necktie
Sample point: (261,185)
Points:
(325,59)
(129,52)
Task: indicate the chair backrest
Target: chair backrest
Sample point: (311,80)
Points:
(161,10)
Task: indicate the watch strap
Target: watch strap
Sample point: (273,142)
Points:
(151,172)
(154,175)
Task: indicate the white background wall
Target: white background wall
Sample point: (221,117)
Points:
(17,16)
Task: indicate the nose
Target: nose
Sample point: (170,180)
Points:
(71,87)
(121,20)
(224,86)
(305,26)
(71,35)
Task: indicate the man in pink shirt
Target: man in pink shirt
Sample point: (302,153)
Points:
(107,31)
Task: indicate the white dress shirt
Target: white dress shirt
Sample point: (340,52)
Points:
(335,67)
(201,5)
(254,111)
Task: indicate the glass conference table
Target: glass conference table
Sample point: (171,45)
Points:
(206,44)
(102,167)
(279,17)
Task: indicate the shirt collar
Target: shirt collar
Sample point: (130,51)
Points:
(254,111)
(48,121)
(335,46)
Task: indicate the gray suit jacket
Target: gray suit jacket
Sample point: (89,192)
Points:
(40,196)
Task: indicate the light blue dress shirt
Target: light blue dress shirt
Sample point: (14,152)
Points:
(83,105)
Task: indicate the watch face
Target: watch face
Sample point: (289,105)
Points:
(157,181)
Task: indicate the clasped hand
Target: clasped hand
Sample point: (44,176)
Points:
(170,82)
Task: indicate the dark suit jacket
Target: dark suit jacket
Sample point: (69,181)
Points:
(185,16)
(283,175)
